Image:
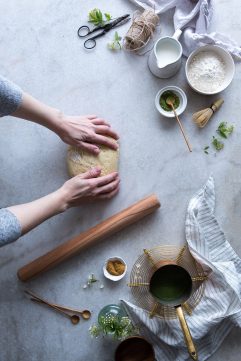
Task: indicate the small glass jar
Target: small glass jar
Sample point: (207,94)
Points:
(107,312)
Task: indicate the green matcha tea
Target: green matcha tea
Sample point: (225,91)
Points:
(163,99)
(171,284)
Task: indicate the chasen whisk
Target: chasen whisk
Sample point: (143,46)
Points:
(202,116)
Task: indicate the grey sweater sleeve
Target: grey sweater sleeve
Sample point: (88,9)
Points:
(10,96)
(10,228)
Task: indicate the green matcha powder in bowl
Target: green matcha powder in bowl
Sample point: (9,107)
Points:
(180,102)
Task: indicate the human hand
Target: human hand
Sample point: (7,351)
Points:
(87,132)
(87,185)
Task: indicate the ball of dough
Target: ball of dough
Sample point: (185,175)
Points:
(80,161)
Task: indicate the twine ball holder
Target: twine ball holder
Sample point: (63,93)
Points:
(141,30)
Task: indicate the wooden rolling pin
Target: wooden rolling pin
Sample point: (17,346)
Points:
(102,230)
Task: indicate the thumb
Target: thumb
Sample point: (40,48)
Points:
(92,173)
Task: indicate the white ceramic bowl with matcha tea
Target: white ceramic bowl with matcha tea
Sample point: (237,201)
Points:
(209,69)
(179,104)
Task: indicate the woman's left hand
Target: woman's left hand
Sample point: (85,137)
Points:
(87,132)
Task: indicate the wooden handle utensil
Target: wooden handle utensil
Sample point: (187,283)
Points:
(102,230)
(170,101)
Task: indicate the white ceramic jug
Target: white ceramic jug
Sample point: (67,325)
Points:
(166,56)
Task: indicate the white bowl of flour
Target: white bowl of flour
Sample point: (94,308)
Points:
(209,69)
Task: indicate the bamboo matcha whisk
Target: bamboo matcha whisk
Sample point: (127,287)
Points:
(202,116)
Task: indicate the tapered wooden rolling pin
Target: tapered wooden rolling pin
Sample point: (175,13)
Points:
(102,230)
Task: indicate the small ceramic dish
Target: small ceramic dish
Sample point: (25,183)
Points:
(110,276)
(228,63)
(182,97)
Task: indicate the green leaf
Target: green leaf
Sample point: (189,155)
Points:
(92,279)
(115,44)
(205,149)
(224,130)
(96,17)
(108,17)
(218,145)
(118,327)
(117,37)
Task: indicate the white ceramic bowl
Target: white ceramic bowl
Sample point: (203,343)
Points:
(229,67)
(110,276)
(183,101)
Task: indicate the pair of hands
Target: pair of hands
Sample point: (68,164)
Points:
(88,132)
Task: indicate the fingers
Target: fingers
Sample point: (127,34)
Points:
(108,195)
(108,188)
(101,139)
(91,116)
(100,121)
(102,181)
(105,130)
(92,173)
(92,148)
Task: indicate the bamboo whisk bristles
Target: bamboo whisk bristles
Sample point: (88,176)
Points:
(202,116)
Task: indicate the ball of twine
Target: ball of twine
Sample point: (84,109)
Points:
(141,30)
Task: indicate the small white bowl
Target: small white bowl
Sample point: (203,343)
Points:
(229,65)
(181,95)
(110,276)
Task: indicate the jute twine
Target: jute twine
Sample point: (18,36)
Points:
(141,30)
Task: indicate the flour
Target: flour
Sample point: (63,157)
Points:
(207,71)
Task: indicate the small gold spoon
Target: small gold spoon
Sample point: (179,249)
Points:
(73,318)
(170,101)
(86,314)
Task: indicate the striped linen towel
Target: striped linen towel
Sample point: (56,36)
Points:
(220,308)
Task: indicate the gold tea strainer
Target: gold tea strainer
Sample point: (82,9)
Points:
(148,262)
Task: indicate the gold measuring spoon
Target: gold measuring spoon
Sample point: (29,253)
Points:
(170,101)
(73,318)
(86,314)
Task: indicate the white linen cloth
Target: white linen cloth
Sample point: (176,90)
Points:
(194,18)
(220,308)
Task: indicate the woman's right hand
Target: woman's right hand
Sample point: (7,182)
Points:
(89,186)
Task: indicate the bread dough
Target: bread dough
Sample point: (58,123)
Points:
(80,161)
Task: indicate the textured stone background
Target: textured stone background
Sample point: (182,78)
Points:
(40,51)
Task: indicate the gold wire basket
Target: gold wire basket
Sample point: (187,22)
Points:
(147,264)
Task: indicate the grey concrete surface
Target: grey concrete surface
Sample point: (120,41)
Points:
(40,51)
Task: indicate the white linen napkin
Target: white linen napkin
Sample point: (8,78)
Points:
(194,18)
(220,308)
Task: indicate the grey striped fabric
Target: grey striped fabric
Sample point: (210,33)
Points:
(220,307)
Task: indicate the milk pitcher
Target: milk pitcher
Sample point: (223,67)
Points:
(166,56)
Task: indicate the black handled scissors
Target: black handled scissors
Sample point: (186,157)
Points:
(84,30)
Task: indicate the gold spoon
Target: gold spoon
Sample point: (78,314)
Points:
(86,314)
(73,318)
(170,101)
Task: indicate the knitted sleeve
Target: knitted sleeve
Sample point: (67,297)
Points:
(10,228)
(10,96)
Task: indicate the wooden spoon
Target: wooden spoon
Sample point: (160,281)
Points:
(170,101)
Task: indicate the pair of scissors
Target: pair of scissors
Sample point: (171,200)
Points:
(84,30)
